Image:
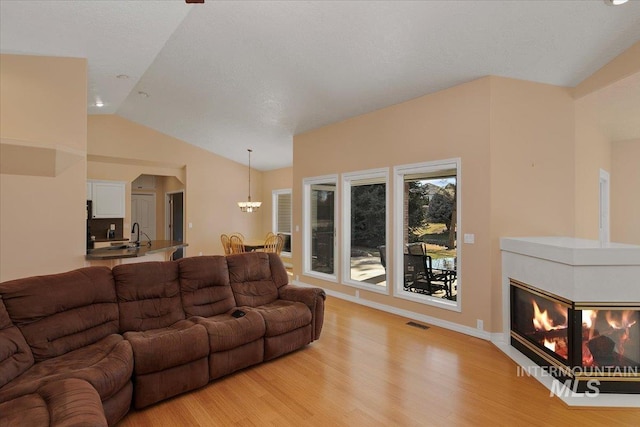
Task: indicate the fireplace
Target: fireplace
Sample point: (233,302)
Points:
(578,342)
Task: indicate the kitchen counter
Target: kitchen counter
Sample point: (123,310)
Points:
(157,246)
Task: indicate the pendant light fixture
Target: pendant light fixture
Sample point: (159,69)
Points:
(249,206)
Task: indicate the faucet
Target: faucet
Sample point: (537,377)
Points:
(135,227)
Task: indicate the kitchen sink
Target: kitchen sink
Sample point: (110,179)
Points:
(120,247)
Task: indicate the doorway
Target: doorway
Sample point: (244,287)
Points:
(143,211)
(175,220)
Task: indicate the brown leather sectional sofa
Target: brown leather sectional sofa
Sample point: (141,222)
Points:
(79,348)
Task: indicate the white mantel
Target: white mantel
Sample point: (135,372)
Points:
(577,269)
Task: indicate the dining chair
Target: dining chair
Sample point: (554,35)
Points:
(280,244)
(237,244)
(226,244)
(236,233)
(270,243)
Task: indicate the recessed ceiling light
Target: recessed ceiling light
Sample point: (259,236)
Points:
(143,94)
(122,76)
(99,103)
(615,2)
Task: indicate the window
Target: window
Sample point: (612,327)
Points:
(320,212)
(282,217)
(426,246)
(364,225)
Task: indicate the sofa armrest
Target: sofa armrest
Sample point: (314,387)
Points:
(312,297)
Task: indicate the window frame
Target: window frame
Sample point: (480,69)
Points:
(430,167)
(377,176)
(306,230)
(275,194)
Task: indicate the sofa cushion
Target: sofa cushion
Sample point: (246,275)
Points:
(107,365)
(204,285)
(15,354)
(159,349)
(64,403)
(251,279)
(227,332)
(148,295)
(59,313)
(283,316)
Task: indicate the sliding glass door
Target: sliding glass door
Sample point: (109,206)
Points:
(320,210)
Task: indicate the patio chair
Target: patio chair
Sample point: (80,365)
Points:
(420,276)
(438,279)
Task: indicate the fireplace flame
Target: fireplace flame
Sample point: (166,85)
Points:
(624,321)
(542,321)
(551,345)
(588,316)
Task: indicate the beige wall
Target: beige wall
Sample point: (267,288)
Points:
(43,105)
(447,124)
(625,192)
(532,169)
(515,140)
(593,152)
(121,150)
(524,147)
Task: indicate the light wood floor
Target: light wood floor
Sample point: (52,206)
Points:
(371,369)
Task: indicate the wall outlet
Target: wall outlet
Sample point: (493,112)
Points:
(190,225)
(357,293)
(480,324)
(200,253)
(112,227)
(469,238)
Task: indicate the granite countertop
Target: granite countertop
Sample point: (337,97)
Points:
(132,252)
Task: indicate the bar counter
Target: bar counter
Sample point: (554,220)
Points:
(145,249)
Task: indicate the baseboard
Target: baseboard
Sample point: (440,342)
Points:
(485,335)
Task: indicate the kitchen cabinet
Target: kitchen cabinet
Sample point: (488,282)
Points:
(108,198)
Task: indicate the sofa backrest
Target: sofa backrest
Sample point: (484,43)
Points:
(15,354)
(62,312)
(148,295)
(255,277)
(204,285)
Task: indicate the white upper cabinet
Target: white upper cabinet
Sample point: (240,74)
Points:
(108,199)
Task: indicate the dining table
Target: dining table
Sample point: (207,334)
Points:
(251,245)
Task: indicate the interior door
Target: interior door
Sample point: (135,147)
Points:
(143,211)
(176,221)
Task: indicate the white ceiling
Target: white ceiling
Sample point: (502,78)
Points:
(232,75)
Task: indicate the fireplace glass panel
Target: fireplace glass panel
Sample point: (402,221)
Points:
(611,338)
(542,321)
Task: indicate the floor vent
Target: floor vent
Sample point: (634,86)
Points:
(417,325)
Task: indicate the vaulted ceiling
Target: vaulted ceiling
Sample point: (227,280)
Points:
(232,75)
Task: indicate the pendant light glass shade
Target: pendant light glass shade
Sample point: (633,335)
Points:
(249,206)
